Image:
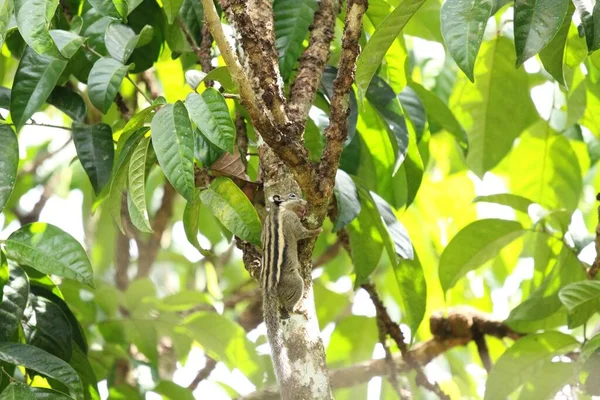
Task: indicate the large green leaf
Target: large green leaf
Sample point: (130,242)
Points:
(382,39)
(589,348)
(439,113)
(106,8)
(104,82)
(121,40)
(42,362)
(9,163)
(233,209)
(4,274)
(49,394)
(292,19)
(192,15)
(16,295)
(6,10)
(80,363)
(536,23)
(67,42)
(173,142)
(204,150)
(524,359)
(171,8)
(402,244)
(475,244)
(34,81)
(553,55)
(327,79)
(514,201)
(412,291)
(69,102)
(137,185)
(33,18)
(191,223)
(210,113)
(463,25)
(548,380)
(46,327)
(17,391)
(225,341)
(50,250)
(581,299)
(348,203)
(481,107)
(95,149)
(545,169)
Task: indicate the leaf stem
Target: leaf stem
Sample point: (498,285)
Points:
(67,128)
(138,89)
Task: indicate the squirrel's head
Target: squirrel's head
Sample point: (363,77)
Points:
(291,202)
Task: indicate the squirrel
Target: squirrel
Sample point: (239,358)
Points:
(282,284)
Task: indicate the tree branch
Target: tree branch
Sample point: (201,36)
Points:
(449,332)
(312,63)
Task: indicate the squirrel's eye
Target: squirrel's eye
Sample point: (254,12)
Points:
(292,196)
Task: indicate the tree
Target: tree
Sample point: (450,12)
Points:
(452,186)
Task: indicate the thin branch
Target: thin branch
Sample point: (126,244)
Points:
(189,38)
(33,123)
(149,79)
(31,168)
(328,255)
(313,60)
(337,131)
(393,329)
(203,373)
(393,368)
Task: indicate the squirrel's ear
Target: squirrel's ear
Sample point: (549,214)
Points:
(276,199)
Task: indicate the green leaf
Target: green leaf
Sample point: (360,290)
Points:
(6,10)
(192,15)
(81,364)
(524,359)
(412,291)
(581,299)
(402,244)
(33,18)
(205,151)
(69,102)
(553,55)
(46,327)
(439,113)
(548,380)
(173,142)
(50,250)
(475,244)
(545,169)
(16,295)
(233,209)
(327,79)
(106,8)
(104,82)
(137,185)
(17,391)
(589,348)
(210,113)
(225,341)
(414,109)
(223,76)
(43,363)
(95,149)
(463,26)
(514,201)
(171,8)
(49,394)
(388,107)
(191,223)
(121,40)
(34,81)
(172,391)
(536,23)
(348,203)
(292,19)
(481,107)
(67,42)
(9,163)
(3,274)
(382,39)
(120,172)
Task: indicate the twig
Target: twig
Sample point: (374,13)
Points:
(31,168)
(138,89)
(149,79)
(393,368)
(122,107)
(328,255)
(393,329)
(203,373)
(66,128)
(190,39)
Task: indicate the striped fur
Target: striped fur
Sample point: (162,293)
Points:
(274,245)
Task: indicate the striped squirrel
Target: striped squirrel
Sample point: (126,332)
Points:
(280,277)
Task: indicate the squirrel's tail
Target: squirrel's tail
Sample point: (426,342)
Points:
(275,335)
